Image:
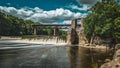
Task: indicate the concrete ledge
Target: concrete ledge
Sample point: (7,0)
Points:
(10,37)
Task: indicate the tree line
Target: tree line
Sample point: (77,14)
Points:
(103,21)
(14,26)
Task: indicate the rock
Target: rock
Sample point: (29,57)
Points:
(115,63)
(82,37)
(87,45)
(107,60)
(117,55)
(117,46)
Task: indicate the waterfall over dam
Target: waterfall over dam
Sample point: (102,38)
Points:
(48,39)
(72,37)
(59,40)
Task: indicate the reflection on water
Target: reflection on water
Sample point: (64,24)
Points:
(86,58)
(73,55)
(79,57)
(51,57)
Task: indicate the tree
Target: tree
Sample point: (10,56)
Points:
(14,26)
(104,21)
(10,25)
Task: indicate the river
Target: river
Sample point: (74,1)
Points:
(24,55)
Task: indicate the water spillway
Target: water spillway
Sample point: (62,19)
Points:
(47,39)
(59,40)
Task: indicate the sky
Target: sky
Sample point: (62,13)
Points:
(47,11)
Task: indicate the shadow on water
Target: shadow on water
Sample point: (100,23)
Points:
(86,57)
(79,57)
(73,54)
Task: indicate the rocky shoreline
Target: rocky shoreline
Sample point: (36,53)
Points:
(115,63)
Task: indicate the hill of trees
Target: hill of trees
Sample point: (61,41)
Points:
(103,21)
(14,26)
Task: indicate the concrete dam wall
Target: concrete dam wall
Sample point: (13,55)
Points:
(57,40)
(48,40)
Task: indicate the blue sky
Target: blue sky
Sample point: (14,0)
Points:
(43,4)
(47,11)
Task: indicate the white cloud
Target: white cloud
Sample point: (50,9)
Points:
(88,2)
(38,15)
(84,7)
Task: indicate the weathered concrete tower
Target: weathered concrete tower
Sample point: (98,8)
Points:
(74,23)
(35,30)
(72,37)
(56,31)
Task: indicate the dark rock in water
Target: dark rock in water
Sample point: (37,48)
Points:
(107,60)
(72,37)
(87,45)
(115,63)
(117,46)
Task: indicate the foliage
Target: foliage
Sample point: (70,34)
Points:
(63,33)
(13,26)
(104,21)
(10,25)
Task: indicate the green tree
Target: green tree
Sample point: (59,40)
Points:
(14,26)
(104,21)
(10,25)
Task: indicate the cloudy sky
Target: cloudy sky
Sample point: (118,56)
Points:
(47,11)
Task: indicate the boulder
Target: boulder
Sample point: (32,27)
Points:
(115,63)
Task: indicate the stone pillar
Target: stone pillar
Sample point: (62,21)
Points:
(72,37)
(82,20)
(74,23)
(35,30)
(56,31)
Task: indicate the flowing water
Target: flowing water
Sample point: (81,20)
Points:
(24,55)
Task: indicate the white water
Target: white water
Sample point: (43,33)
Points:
(17,42)
(46,40)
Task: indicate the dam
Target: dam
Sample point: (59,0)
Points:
(72,32)
(40,51)
(46,39)
(58,40)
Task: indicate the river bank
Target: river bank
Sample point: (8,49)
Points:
(115,53)
(115,63)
